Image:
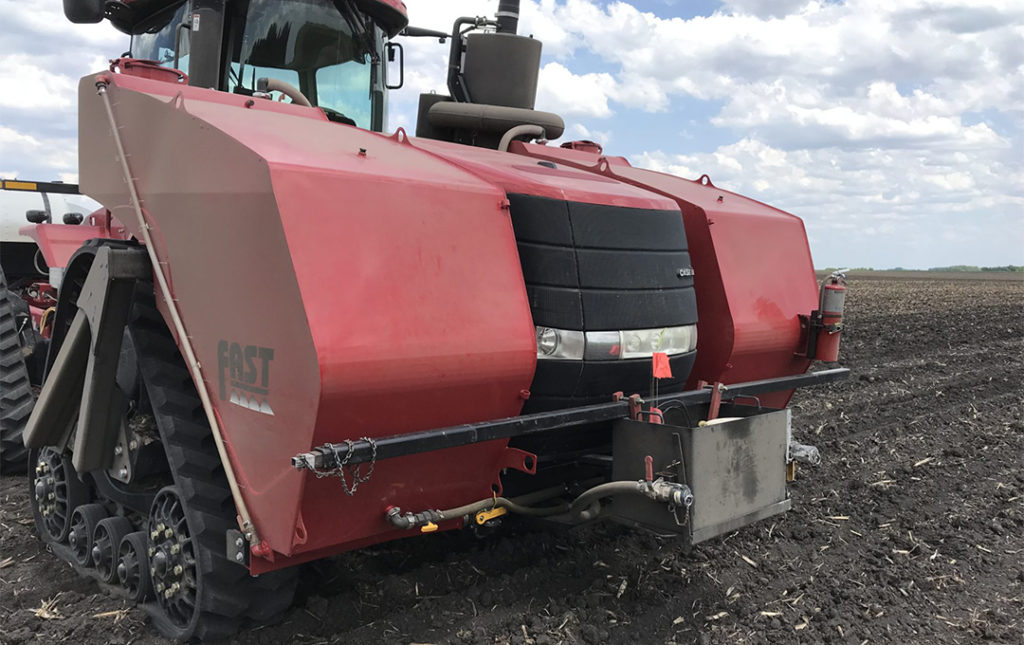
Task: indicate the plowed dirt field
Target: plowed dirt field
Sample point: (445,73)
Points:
(911,531)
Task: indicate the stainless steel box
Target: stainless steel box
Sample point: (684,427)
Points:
(735,466)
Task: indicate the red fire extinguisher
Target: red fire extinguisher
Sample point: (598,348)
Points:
(830,306)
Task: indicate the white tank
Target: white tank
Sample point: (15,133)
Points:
(14,204)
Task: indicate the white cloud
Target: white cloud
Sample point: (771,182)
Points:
(857,203)
(869,116)
(42,57)
(36,88)
(580,131)
(568,94)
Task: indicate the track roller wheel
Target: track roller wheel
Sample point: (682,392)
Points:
(83,525)
(106,539)
(133,566)
(55,492)
(172,560)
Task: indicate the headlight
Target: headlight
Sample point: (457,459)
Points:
(615,345)
(559,343)
(670,340)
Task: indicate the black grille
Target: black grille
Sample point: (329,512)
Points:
(591,267)
(599,268)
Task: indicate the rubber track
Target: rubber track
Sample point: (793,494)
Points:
(16,396)
(229,598)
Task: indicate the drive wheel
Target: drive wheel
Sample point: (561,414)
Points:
(55,492)
(133,567)
(106,539)
(16,396)
(83,526)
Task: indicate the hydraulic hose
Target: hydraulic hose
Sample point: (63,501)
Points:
(520,505)
(510,505)
(585,507)
(580,506)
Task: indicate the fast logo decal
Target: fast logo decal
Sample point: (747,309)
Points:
(244,374)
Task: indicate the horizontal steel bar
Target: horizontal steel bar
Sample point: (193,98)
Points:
(413,443)
(39,186)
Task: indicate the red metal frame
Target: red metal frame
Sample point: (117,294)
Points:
(58,242)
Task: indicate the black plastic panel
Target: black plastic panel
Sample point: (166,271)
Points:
(631,376)
(551,389)
(556,307)
(539,219)
(615,310)
(556,377)
(548,265)
(613,227)
(604,269)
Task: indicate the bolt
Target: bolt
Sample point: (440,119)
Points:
(168,594)
(169,533)
(239,556)
(177,569)
(133,444)
(118,449)
(152,551)
(175,549)
(159,585)
(123,473)
(51,496)
(160,526)
(155,535)
(239,543)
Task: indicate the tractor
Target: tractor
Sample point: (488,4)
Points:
(299,335)
(32,258)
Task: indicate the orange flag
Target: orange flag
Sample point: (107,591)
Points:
(662,369)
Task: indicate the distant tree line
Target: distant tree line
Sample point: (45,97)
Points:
(956,268)
(964,268)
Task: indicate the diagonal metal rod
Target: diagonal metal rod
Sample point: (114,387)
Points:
(184,339)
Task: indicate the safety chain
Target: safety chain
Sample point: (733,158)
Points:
(339,470)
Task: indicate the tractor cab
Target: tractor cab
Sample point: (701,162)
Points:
(325,53)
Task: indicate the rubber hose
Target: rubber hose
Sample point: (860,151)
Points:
(519,505)
(520,131)
(587,498)
(289,90)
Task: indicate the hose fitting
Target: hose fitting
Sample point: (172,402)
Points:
(586,506)
(412,520)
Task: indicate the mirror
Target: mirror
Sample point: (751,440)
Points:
(36,216)
(84,11)
(396,65)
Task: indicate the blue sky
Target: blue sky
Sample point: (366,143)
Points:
(893,129)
